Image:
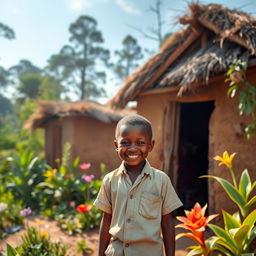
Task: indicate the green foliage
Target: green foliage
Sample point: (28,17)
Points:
(50,89)
(76,65)
(247,93)
(82,248)
(35,243)
(25,171)
(29,85)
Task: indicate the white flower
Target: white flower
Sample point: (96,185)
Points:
(3,206)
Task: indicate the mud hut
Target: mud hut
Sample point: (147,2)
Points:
(182,91)
(88,126)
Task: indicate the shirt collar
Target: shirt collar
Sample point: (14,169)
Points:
(146,169)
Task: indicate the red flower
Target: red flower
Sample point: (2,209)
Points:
(68,176)
(196,222)
(83,208)
(85,166)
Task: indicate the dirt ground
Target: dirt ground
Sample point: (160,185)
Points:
(56,234)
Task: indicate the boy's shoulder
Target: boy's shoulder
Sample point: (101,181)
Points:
(159,173)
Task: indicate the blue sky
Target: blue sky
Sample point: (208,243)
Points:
(41,26)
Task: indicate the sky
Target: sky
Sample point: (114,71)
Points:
(41,26)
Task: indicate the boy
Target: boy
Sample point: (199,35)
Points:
(136,199)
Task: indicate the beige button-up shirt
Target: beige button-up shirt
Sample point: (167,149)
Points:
(136,210)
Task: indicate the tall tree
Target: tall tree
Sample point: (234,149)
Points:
(29,86)
(24,67)
(7,33)
(76,65)
(128,57)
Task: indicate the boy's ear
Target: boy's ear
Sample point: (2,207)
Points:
(151,145)
(116,145)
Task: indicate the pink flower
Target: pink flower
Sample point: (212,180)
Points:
(85,166)
(25,211)
(87,178)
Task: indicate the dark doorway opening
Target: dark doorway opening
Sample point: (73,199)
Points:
(193,153)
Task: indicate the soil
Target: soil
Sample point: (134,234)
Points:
(56,234)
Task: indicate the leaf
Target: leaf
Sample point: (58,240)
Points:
(222,249)
(241,235)
(231,191)
(245,184)
(230,221)
(229,243)
(11,251)
(192,236)
(195,251)
(251,237)
(250,219)
(76,162)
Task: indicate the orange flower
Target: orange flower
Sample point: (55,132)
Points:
(83,208)
(196,222)
(68,176)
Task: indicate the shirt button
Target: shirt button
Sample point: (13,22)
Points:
(131,196)
(129,220)
(126,245)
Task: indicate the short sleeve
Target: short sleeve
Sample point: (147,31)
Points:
(103,200)
(170,199)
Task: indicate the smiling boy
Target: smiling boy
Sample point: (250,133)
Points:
(136,199)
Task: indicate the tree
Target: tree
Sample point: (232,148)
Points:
(50,89)
(128,57)
(76,65)
(155,32)
(24,67)
(29,85)
(6,32)
(6,106)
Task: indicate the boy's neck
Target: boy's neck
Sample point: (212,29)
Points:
(135,170)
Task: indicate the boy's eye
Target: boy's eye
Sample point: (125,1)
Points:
(124,143)
(140,143)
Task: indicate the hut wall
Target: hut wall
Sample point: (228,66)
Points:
(227,134)
(92,141)
(152,108)
(53,142)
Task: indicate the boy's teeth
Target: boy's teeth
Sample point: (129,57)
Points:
(132,156)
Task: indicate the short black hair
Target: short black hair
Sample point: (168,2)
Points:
(135,120)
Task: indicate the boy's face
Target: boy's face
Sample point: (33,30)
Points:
(133,144)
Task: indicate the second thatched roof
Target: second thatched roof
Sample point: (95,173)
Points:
(214,37)
(47,111)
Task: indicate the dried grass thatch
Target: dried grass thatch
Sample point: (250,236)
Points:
(47,111)
(214,37)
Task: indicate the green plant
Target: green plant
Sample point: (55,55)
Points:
(36,243)
(82,248)
(24,173)
(237,236)
(247,93)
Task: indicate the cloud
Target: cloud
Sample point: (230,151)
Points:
(78,5)
(127,7)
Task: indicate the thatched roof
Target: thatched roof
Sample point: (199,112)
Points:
(47,111)
(214,37)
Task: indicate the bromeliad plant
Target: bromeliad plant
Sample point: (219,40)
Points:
(239,231)
(196,222)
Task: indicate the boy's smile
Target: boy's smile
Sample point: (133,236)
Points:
(133,145)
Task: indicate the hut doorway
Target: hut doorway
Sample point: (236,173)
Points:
(192,152)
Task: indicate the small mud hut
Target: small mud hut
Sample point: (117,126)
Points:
(88,126)
(182,91)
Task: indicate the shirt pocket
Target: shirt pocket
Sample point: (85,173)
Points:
(149,206)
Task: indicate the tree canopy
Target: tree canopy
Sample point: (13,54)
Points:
(77,65)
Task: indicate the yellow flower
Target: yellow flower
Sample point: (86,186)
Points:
(226,159)
(43,234)
(50,173)
(78,224)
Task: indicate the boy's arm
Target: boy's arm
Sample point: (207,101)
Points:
(168,232)
(104,235)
